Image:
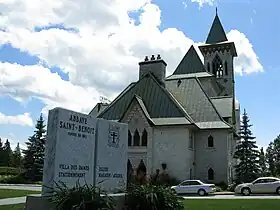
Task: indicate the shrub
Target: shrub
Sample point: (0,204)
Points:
(163,179)
(222,185)
(9,171)
(218,189)
(232,186)
(153,197)
(86,197)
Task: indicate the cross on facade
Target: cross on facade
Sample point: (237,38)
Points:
(113,134)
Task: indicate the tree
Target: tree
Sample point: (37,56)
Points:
(247,153)
(273,156)
(262,161)
(33,160)
(16,157)
(1,153)
(7,154)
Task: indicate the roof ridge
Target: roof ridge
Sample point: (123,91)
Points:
(201,87)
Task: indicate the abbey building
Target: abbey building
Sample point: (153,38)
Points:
(187,122)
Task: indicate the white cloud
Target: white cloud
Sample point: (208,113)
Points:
(22,119)
(202,2)
(100,58)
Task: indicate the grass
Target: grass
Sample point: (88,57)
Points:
(8,193)
(232,204)
(12,207)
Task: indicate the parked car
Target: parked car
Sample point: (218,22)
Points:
(262,185)
(193,187)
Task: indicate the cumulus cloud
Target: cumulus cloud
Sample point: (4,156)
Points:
(99,56)
(22,119)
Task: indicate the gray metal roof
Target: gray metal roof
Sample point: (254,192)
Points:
(190,63)
(171,121)
(216,33)
(223,105)
(158,102)
(190,94)
(212,125)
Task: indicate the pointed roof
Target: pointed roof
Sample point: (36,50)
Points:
(191,63)
(216,33)
(158,101)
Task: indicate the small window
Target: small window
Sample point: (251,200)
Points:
(185,183)
(129,139)
(144,138)
(179,83)
(136,138)
(208,67)
(226,68)
(210,141)
(191,140)
(211,174)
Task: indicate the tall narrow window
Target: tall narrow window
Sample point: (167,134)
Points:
(208,67)
(129,139)
(226,68)
(210,141)
(136,138)
(144,138)
(210,174)
(217,67)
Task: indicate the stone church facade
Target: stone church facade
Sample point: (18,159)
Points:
(187,121)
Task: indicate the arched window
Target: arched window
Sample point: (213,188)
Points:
(129,139)
(208,67)
(144,138)
(226,68)
(136,138)
(217,67)
(210,141)
(210,174)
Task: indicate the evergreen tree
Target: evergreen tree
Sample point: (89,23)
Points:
(7,154)
(1,153)
(33,160)
(16,158)
(247,153)
(273,156)
(262,161)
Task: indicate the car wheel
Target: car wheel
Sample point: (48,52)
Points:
(278,191)
(201,192)
(246,191)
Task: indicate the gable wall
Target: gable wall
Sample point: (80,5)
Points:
(171,146)
(136,119)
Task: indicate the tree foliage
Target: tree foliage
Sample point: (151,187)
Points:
(16,157)
(262,161)
(33,160)
(273,157)
(247,153)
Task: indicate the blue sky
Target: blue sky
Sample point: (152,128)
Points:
(52,57)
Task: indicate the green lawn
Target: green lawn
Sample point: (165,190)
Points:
(232,204)
(12,207)
(7,193)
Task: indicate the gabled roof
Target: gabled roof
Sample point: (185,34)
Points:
(183,76)
(223,105)
(216,33)
(190,63)
(159,103)
(195,101)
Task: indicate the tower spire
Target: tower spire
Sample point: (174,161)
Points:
(216,10)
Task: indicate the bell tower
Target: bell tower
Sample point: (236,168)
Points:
(218,55)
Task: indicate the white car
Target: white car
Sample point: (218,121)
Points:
(263,185)
(193,187)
